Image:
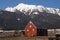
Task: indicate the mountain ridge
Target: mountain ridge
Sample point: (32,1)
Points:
(25,8)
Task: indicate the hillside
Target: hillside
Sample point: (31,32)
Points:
(18,20)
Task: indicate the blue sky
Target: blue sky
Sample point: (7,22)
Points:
(47,3)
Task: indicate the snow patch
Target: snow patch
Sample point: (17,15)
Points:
(25,8)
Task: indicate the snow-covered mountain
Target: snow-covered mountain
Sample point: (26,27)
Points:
(29,8)
(20,15)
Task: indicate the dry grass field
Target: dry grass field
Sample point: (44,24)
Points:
(24,38)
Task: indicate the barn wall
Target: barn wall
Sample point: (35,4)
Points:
(42,32)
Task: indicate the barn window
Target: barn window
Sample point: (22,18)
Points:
(30,26)
(27,30)
(32,29)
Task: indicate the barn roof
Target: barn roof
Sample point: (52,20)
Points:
(18,20)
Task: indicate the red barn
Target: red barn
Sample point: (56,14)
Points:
(30,29)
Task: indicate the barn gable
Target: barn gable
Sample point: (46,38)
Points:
(30,29)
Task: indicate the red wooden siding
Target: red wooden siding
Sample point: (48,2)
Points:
(30,29)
